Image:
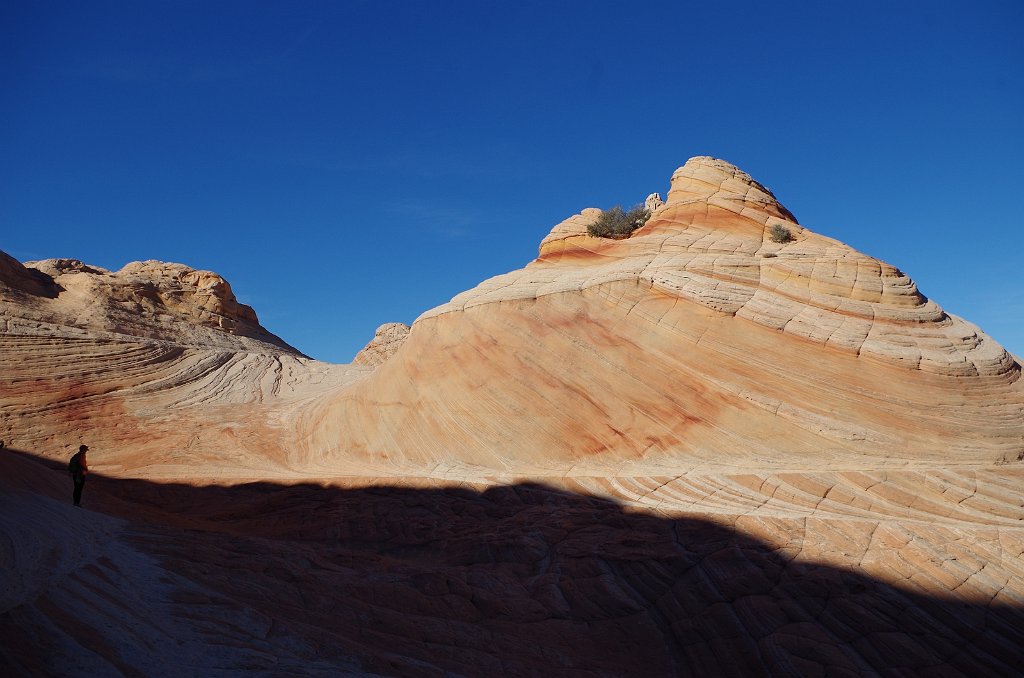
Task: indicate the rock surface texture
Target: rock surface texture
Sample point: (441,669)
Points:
(693,451)
(697,343)
(386,340)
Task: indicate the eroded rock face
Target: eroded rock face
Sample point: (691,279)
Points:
(203,296)
(388,338)
(18,281)
(653,202)
(144,299)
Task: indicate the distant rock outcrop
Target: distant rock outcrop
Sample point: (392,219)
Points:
(386,340)
(152,364)
(144,299)
(653,202)
(18,281)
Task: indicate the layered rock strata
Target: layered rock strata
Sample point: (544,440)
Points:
(149,299)
(520,579)
(158,366)
(746,454)
(698,343)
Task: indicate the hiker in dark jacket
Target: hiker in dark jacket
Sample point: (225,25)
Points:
(78,468)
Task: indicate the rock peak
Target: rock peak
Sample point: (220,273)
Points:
(386,341)
(720,182)
(722,242)
(701,180)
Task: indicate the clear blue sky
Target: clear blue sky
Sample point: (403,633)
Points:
(346,164)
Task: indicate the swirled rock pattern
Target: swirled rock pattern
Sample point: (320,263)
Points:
(699,342)
(429,579)
(725,445)
(158,365)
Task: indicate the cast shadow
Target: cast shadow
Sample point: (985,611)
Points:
(515,580)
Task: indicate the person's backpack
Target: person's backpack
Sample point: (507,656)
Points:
(74,466)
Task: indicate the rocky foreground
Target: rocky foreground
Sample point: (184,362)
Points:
(520,579)
(694,451)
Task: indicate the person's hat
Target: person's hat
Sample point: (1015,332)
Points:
(83,448)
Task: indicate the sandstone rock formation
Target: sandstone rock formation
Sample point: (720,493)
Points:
(653,202)
(157,363)
(697,343)
(144,299)
(20,283)
(386,340)
(691,451)
(516,579)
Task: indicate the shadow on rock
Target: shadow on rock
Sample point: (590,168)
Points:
(510,580)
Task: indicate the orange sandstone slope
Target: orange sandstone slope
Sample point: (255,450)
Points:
(698,343)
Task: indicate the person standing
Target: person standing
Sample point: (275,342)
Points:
(79,468)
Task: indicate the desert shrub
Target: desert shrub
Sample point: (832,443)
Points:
(618,223)
(780,233)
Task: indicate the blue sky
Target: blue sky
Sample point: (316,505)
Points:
(346,164)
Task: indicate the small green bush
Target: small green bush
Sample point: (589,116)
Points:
(780,234)
(618,223)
